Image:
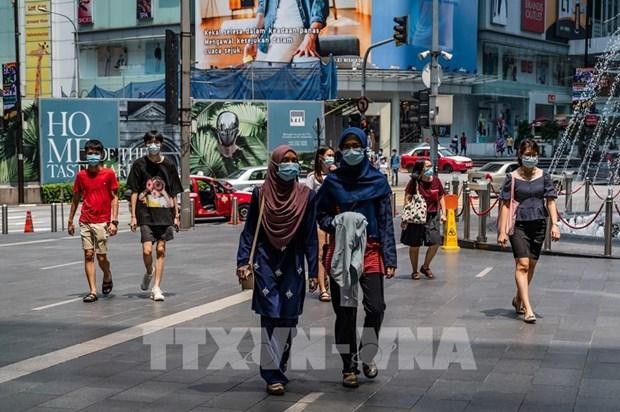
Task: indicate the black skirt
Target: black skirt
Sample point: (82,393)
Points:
(415,235)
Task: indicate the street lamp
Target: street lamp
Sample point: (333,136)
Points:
(43,9)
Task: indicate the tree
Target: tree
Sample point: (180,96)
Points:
(524,131)
(549,131)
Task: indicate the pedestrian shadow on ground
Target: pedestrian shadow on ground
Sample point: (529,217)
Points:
(503,312)
(145,295)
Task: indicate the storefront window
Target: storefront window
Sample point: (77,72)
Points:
(542,70)
(490,60)
(509,63)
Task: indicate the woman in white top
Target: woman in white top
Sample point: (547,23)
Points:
(323,164)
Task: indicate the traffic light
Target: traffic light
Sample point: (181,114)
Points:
(424,107)
(401,30)
(171,56)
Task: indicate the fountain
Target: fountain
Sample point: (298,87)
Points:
(600,92)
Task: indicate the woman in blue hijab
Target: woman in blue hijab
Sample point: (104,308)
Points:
(358,187)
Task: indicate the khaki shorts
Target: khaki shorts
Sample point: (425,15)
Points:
(94,236)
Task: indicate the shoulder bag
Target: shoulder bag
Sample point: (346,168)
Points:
(248,283)
(415,210)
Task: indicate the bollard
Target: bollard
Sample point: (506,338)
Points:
(234,211)
(568,200)
(54,212)
(484,203)
(192,219)
(446,187)
(609,210)
(455,185)
(587,195)
(393,204)
(5,220)
(547,242)
(466,213)
(62,208)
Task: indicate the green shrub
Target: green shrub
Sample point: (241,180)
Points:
(51,193)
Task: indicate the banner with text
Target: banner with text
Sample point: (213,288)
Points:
(38,50)
(65,125)
(9,89)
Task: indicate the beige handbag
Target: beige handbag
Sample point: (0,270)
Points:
(248,283)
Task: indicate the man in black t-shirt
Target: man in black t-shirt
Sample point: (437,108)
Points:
(154,183)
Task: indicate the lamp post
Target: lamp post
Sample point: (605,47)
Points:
(76,83)
(19,134)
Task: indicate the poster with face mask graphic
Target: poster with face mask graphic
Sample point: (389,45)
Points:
(228,136)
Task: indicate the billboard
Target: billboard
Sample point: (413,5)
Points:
(85,11)
(144,10)
(499,12)
(533,16)
(65,125)
(294,124)
(9,89)
(458,22)
(38,50)
(235,33)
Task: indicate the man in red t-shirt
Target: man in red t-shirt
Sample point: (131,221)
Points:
(98,187)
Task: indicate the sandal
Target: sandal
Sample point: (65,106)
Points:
(325,297)
(349,380)
(276,389)
(91,297)
(427,272)
(106,287)
(530,319)
(415,276)
(519,309)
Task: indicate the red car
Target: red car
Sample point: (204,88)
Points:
(448,161)
(213,198)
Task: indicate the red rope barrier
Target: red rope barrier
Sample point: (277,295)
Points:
(603,198)
(484,213)
(585,226)
(574,191)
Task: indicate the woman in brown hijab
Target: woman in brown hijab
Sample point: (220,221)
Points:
(287,234)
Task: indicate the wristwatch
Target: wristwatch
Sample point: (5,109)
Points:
(114,222)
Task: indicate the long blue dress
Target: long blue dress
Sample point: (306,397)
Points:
(279,283)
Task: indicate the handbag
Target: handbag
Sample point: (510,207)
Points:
(512,217)
(248,283)
(415,210)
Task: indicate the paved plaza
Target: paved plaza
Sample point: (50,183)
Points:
(59,354)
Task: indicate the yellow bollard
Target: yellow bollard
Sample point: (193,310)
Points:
(451,238)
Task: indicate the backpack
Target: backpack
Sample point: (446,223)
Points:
(415,211)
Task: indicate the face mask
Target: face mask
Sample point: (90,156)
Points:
(154,148)
(428,172)
(329,160)
(93,159)
(288,171)
(529,161)
(353,157)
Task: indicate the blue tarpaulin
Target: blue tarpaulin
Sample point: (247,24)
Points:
(258,81)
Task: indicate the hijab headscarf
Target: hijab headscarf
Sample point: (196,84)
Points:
(349,184)
(285,202)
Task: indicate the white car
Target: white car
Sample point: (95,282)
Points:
(495,172)
(247,178)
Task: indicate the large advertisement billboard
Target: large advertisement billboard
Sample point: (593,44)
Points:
(38,50)
(234,33)
(66,124)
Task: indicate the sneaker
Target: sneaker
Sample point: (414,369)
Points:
(146,280)
(156,294)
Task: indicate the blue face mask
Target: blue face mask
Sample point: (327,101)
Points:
(329,160)
(529,161)
(353,157)
(428,172)
(93,159)
(288,171)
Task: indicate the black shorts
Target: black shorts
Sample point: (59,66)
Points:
(154,233)
(417,235)
(528,239)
